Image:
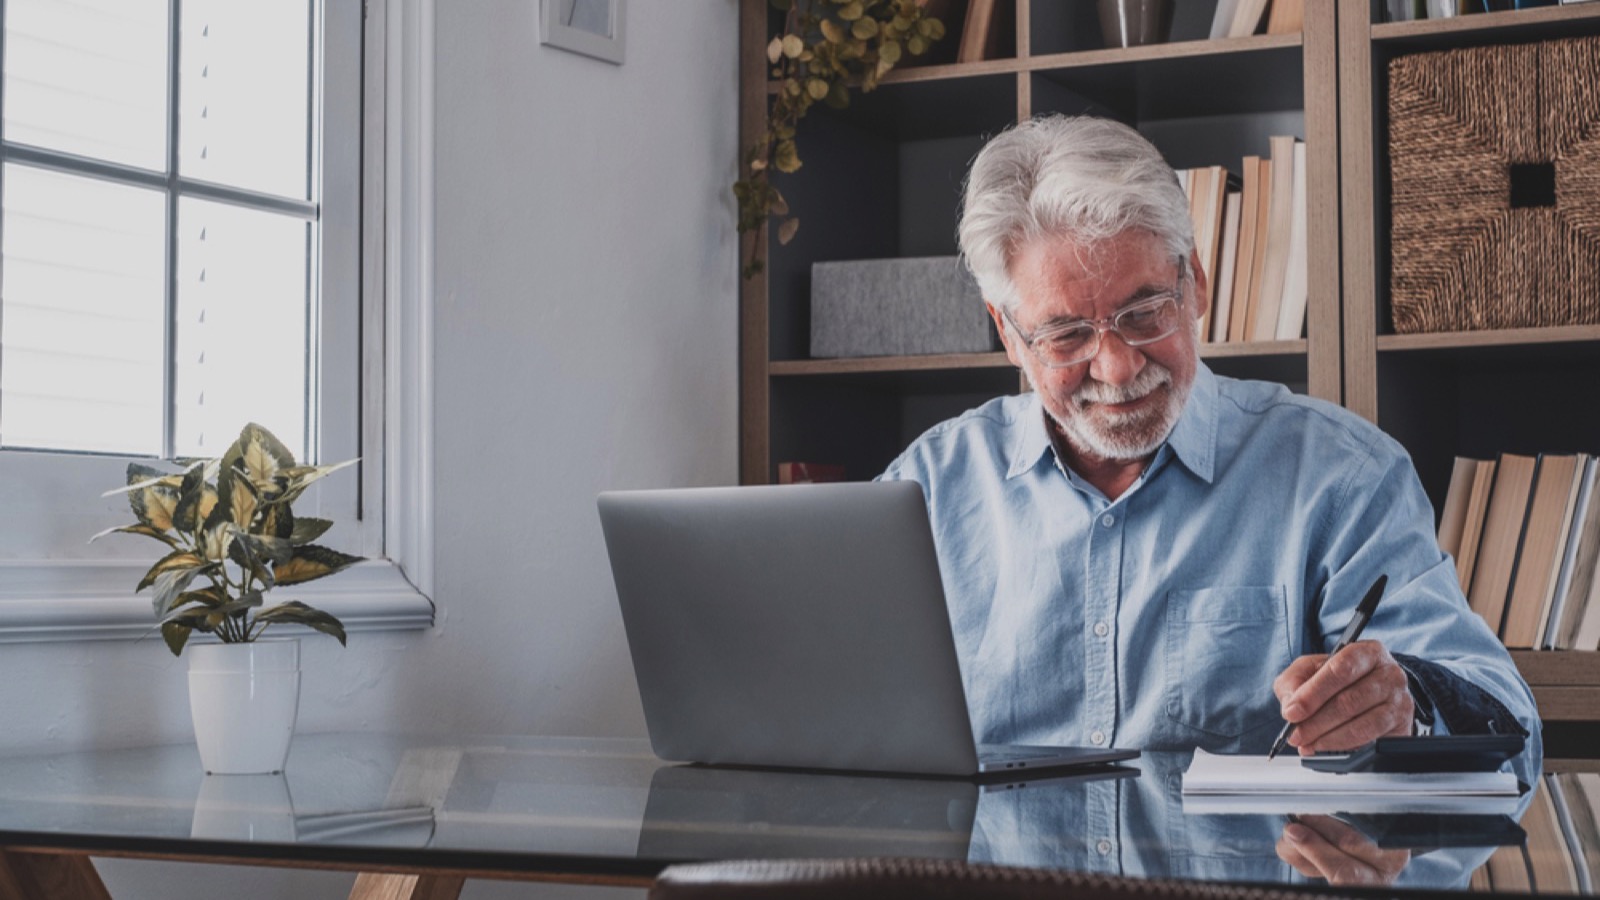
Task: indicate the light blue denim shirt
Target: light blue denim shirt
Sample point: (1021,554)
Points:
(1159,620)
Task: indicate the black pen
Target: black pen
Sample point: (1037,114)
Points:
(1352,632)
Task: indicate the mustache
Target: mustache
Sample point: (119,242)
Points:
(1152,377)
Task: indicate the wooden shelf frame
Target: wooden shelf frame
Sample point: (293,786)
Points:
(1316,47)
(1364,48)
(1342,50)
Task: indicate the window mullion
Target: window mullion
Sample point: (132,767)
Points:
(169,409)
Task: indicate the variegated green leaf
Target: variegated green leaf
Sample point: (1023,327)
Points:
(290,483)
(208,597)
(146,530)
(176,635)
(153,495)
(249,600)
(216,541)
(254,556)
(276,520)
(168,586)
(308,529)
(300,614)
(262,454)
(274,550)
(312,561)
(186,515)
(176,560)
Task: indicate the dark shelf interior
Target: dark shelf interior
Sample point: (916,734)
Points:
(1480,402)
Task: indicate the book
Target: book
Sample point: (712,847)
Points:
(1249,203)
(1222,287)
(1275,263)
(1548,852)
(1502,535)
(1214,192)
(1247,17)
(1549,509)
(1258,257)
(1582,793)
(1561,565)
(1567,796)
(1472,524)
(1222,19)
(1453,515)
(1296,281)
(1286,17)
(975,31)
(1196,184)
(1583,548)
(809,473)
(1588,636)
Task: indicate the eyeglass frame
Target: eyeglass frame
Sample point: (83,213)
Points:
(1105,323)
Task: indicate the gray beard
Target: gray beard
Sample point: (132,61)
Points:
(1123,437)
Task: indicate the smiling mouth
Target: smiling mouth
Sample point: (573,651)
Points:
(1128,404)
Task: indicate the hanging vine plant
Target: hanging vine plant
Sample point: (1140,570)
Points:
(826,48)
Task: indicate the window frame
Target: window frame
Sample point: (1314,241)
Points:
(91,599)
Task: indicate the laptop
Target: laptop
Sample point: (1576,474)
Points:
(799,626)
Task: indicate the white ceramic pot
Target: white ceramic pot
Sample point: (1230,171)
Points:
(243,698)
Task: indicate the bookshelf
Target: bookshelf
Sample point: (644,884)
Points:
(1478,393)
(883,178)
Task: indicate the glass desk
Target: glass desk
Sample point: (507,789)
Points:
(417,815)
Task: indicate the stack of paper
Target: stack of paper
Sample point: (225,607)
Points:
(1216,783)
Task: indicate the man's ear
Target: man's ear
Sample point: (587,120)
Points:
(1202,288)
(1013,346)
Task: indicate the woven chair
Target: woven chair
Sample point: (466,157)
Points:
(924,879)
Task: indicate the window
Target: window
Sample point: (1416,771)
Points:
(160,205)
(181,250)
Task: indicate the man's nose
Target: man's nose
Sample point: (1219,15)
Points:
(1116,362)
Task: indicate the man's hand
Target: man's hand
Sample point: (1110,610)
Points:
(1341,703)
(1324,847)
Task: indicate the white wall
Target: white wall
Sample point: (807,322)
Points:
(586,338)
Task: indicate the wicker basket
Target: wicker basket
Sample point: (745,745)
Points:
(1495,156)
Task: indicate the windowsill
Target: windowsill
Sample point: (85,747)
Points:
(64,600)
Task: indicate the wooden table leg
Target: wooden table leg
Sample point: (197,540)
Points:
(38,876)
(371,886)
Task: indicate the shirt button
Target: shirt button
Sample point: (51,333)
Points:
(1104,847)
(1108,520)
(1101,630)
(1098,738)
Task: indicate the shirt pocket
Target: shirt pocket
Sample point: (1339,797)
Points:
(1225,645)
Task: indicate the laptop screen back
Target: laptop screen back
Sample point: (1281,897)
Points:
(799,625)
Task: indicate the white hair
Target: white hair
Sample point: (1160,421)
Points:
(1084,178)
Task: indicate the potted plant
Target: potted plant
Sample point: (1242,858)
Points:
(827,46)
(232,536)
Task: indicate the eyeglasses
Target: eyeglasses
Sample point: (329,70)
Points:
(1137,324)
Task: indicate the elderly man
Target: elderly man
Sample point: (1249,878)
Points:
(1140,552)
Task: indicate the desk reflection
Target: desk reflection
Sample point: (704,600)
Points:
(549,804)
(1123,821)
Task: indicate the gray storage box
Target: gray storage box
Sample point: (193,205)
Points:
(897,307)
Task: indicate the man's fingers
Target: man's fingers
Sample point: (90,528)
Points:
(1348,840)
(1312,854)
(1339,672)
(1376,722)
(1383,688)
(1290,679)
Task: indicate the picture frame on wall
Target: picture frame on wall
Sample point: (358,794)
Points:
(590,27)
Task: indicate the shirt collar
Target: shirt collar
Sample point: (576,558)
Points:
(1193,440)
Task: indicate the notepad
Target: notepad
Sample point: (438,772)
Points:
(1210,774)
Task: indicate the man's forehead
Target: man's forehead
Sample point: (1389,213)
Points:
(1065,269)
